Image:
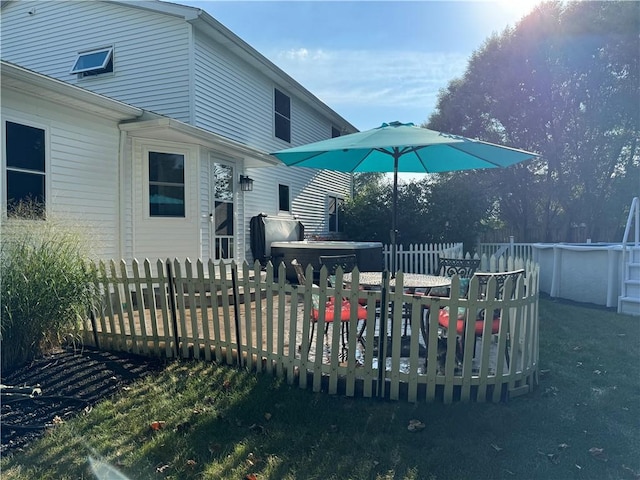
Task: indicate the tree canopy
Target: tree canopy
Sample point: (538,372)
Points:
(564,82)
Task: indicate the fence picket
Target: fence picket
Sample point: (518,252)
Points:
(151,303)
(138,305)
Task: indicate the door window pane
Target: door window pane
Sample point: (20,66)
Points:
(223,187)
(224,218)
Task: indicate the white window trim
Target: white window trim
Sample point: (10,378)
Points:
(278,198)
(276,113)
(109,56)
(189,163)
(47,160)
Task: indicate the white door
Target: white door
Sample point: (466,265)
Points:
(222,211)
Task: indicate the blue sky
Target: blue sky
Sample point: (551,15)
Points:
(373,61)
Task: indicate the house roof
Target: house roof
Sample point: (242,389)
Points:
(136,121)
(175,130)
(41,86)
(216,30)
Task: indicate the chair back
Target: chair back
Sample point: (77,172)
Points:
(297,267)
(332,262)
(463,267)
(501,279)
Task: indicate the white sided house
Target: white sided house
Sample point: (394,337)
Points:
(181,110)
(90,160)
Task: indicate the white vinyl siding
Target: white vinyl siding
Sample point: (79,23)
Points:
(151,61)
(165,237)
(82,179)
(164,64)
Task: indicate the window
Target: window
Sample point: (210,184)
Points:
(335,132)
(94,62)
(334,210)
(284,204)
(166,185)
(223,211)
(25,154)
(282,116)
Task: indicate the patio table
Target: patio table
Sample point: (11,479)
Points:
(410,283)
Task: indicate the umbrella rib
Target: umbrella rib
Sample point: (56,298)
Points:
(476,156)
(315,154)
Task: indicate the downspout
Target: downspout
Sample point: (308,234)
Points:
(121,207)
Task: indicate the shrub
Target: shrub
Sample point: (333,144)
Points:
(45,289)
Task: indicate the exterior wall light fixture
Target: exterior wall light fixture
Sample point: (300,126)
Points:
(246,183)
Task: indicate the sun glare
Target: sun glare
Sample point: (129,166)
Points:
(516,9)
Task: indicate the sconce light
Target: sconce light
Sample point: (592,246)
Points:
(246,183)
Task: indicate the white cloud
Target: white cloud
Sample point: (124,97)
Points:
(385,78)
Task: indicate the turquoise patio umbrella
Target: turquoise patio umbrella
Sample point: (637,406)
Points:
(401,147)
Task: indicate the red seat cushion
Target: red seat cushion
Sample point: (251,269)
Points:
(345,311)
(443,320)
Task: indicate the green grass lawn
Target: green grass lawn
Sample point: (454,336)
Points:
(581,422)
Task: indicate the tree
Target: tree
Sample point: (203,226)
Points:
(564,82)
(429,211)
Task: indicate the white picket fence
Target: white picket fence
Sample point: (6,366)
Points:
(242,316)
(421,258)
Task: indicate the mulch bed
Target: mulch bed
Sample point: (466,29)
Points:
(70,382)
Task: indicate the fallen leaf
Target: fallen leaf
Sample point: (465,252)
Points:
(415,426)
(496,447)
(563,446)
(157,425)
(267,416)
(57,420)
(597,372)
(191,463)
(163,468)
(598,453)
(226,384)
(251,476)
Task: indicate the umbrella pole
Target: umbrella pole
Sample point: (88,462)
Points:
(394,214)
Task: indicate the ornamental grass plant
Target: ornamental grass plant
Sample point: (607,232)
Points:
(45,290)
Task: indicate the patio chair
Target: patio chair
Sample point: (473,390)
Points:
(444,319)
(330,310)
(448,267)
(332,262)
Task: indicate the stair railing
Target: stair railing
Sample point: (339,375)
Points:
(632,219)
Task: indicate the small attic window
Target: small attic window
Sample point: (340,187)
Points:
(94,62)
